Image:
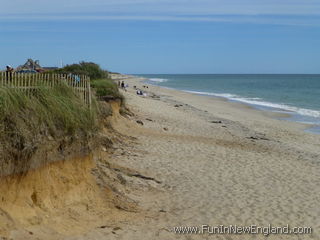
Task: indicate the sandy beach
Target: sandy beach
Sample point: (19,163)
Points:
(160,120)
(177,160)
(213,162)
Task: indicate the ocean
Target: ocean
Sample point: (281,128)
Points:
(297,95)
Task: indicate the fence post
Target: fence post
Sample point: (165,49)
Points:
(28,82)
(89,92)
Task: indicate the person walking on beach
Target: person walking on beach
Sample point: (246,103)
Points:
(122,84)
(9,72)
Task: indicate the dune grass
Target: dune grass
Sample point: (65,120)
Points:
(57,111)
(39,120)
(106,87)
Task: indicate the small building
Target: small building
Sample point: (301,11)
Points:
(30,66)
(33,66)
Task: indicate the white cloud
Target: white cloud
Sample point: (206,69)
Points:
(164,6)
(164,10)
(227,19)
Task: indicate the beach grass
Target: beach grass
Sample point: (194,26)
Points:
(106,87)
(58,110)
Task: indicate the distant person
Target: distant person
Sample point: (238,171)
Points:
(77,79)
(139,92)
(122,84)
(9,72)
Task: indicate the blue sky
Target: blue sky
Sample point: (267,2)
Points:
(162,36)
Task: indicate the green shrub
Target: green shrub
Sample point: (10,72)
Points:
(106,87)
(102,85)
(90,69)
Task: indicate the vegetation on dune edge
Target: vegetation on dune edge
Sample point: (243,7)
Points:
(106,87)
(90,69)
(57,109)
(100,81)
(30,123)
(47,124)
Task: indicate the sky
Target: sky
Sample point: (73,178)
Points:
(164,36)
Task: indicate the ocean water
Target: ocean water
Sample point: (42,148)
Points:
(298,95)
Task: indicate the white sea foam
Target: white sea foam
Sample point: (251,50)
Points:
(158,80)
(224,95)
(260,102)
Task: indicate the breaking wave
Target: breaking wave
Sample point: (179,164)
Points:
(260,102)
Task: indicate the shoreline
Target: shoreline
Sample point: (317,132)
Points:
(278,113)
(281,114)
(278,119)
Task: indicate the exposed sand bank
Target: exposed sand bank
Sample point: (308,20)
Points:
(55,201)
(67,198)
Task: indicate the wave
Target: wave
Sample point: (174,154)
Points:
(224,95)
(260,102)
(158,80)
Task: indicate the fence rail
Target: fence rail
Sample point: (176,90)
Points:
(30,81)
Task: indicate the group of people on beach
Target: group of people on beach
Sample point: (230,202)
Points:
(139,91)
(124,86)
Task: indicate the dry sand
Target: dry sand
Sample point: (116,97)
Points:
(249,169)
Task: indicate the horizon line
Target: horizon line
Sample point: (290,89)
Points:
(217,73)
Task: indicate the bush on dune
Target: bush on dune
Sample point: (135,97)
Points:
(90,69)
(102,85)
(106,87)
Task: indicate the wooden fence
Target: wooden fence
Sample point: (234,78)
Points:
(30,81)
